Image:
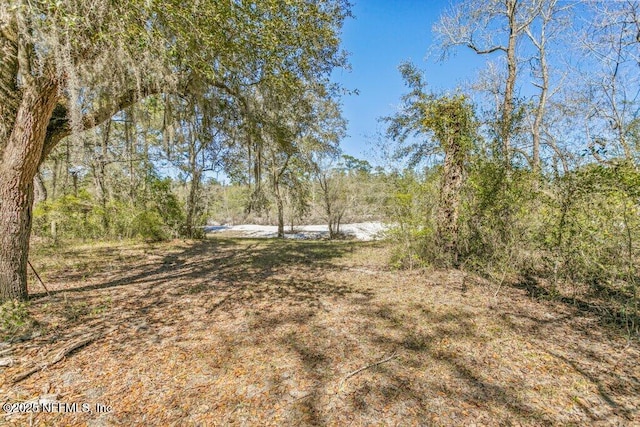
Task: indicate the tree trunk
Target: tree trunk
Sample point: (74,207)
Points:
(328,204)
(449,206)
(194,186)
(18,166)
(542,76)
(100,176)
(280,207)
(192,204)
(507,106)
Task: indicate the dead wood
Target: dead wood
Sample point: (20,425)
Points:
(357,371)
(61,354)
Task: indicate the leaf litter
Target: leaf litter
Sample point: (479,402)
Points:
(266,332)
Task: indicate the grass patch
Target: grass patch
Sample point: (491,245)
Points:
(15,320)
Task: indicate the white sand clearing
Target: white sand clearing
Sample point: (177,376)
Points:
(361,231)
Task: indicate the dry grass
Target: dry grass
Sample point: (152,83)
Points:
(262,332)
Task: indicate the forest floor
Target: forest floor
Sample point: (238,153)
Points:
(264,332)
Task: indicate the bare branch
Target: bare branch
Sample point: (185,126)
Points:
(486,51)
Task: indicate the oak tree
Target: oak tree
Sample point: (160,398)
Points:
(69,65)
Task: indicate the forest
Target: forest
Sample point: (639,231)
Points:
(501,286)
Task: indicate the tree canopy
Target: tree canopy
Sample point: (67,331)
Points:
(69,65)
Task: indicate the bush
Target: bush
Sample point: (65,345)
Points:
(156,216)
(69,216)
(410,207)
(148,225)
(499,218)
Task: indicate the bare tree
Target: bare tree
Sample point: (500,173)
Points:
(550,23)
(611,86)
(488,27)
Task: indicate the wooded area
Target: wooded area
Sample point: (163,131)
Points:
(137,124)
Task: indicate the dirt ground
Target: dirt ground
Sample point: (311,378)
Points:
(266,332)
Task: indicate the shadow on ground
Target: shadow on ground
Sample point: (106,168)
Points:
(263,332)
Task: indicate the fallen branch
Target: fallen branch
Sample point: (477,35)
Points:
(65,351)
(357,371)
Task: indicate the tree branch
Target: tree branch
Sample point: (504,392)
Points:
(60,124)
(485,51)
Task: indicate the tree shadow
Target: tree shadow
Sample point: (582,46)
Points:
(609,314)
(207,277)
(301,306)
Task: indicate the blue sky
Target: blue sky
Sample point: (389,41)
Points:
(381,36)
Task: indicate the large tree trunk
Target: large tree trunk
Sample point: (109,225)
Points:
(18,166)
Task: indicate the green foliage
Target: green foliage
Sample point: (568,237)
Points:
(14,319)
(577,234)
(499,211)
(442,124)
(594,227)
(164,205)
(148,225)
(157,215)
(353,164)
(410,205)
(228,203)
(73,216)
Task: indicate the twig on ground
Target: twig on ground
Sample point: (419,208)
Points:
(57,358)
(504,275)
(357,371)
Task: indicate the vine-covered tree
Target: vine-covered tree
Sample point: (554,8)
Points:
(69,65)
(448,126)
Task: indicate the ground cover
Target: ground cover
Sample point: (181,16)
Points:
(227,331)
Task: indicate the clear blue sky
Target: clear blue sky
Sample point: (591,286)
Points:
(381,36)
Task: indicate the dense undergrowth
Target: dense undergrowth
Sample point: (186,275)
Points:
(572,237)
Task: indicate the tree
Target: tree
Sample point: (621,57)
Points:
(298,192)
(448,125)
(200,135)
(549,27)
(487,27)
(610,90)
(335,197)
(69,65)
(292,124)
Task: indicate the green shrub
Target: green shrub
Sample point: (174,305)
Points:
(410,206)
(148,225)
(70,216)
